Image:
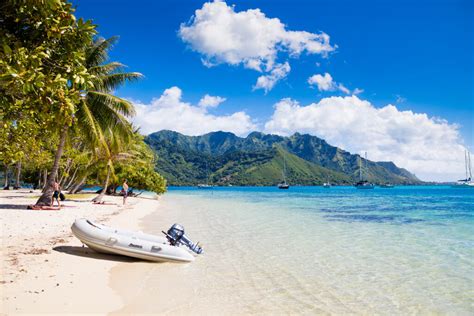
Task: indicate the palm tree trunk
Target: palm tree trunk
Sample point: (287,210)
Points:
(68,185)
(39,178)
(104,189)
(45,179)
(45,198)
(7,185)
(65,172)
(18,173)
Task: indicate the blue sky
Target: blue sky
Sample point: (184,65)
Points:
(415,55)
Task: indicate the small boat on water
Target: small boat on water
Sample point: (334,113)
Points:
(110,240)
(363,184)
(283,184)
(387,186)
(467,182)
(327,184)
(205,185)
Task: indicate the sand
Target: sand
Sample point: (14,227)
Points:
(45,269)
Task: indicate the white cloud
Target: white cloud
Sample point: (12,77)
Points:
(266,82)
(429,147)
(326,83)
(342,88)
(209,101)
(170,112)
(357,91)
(247,38)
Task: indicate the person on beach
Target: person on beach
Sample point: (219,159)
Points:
(124,191)
(57,192)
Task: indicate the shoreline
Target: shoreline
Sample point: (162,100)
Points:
(45,269)
(170,289)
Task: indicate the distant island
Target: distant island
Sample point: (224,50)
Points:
(222,158)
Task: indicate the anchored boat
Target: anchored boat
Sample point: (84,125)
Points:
(363,184)
(110,240)
(467,182)
(283,184)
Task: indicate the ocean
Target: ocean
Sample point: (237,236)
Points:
(307,250)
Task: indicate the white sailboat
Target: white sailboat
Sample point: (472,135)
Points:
(205,185)
(283,185)
(327,184)
(363,184)
(467,182)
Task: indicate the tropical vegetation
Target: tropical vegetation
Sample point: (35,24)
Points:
(59,116)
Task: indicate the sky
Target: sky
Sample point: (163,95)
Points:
(391,78)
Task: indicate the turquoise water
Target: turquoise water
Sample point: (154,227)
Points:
(315,250)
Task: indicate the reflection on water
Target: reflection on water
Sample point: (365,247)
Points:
(314,250)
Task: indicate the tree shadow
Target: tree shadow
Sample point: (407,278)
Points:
(14,206)
(89,253)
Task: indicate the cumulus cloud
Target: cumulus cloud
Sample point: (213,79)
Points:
(429,147)
(169,111)
(326,83)
(248,38)
(209,101)
(266,82)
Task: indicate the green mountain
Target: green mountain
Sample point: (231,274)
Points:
(223,158)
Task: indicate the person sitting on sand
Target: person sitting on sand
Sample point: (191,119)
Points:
(125,191)
(56,193)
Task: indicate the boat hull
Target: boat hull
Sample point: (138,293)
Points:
(127,243)
(463,186)
(365,187)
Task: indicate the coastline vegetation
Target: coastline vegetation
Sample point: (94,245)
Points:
(60,119)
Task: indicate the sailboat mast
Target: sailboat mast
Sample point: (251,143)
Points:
(207,173)
(470,171)
(360,168)
(284,169)
(465,162)
(365,164)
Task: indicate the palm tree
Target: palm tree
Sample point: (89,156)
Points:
(117,148)
(98,108)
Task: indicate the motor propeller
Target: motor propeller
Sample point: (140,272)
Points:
(176,237)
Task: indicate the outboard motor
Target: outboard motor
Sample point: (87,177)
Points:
(176,237)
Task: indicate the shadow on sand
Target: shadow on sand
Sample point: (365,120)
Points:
(13,206)
(89,253)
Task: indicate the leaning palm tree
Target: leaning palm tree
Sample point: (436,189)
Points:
(98,109)
(117,148)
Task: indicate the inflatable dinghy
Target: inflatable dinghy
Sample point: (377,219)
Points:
(136,244)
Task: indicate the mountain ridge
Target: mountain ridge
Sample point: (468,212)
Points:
(223,158)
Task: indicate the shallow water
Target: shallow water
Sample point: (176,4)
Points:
(314,250)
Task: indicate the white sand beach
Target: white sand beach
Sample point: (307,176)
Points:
(45,269)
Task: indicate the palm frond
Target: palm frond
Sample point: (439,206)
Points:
(113,81)
(98,52)
(113,102)
(88,123)
(105,69)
